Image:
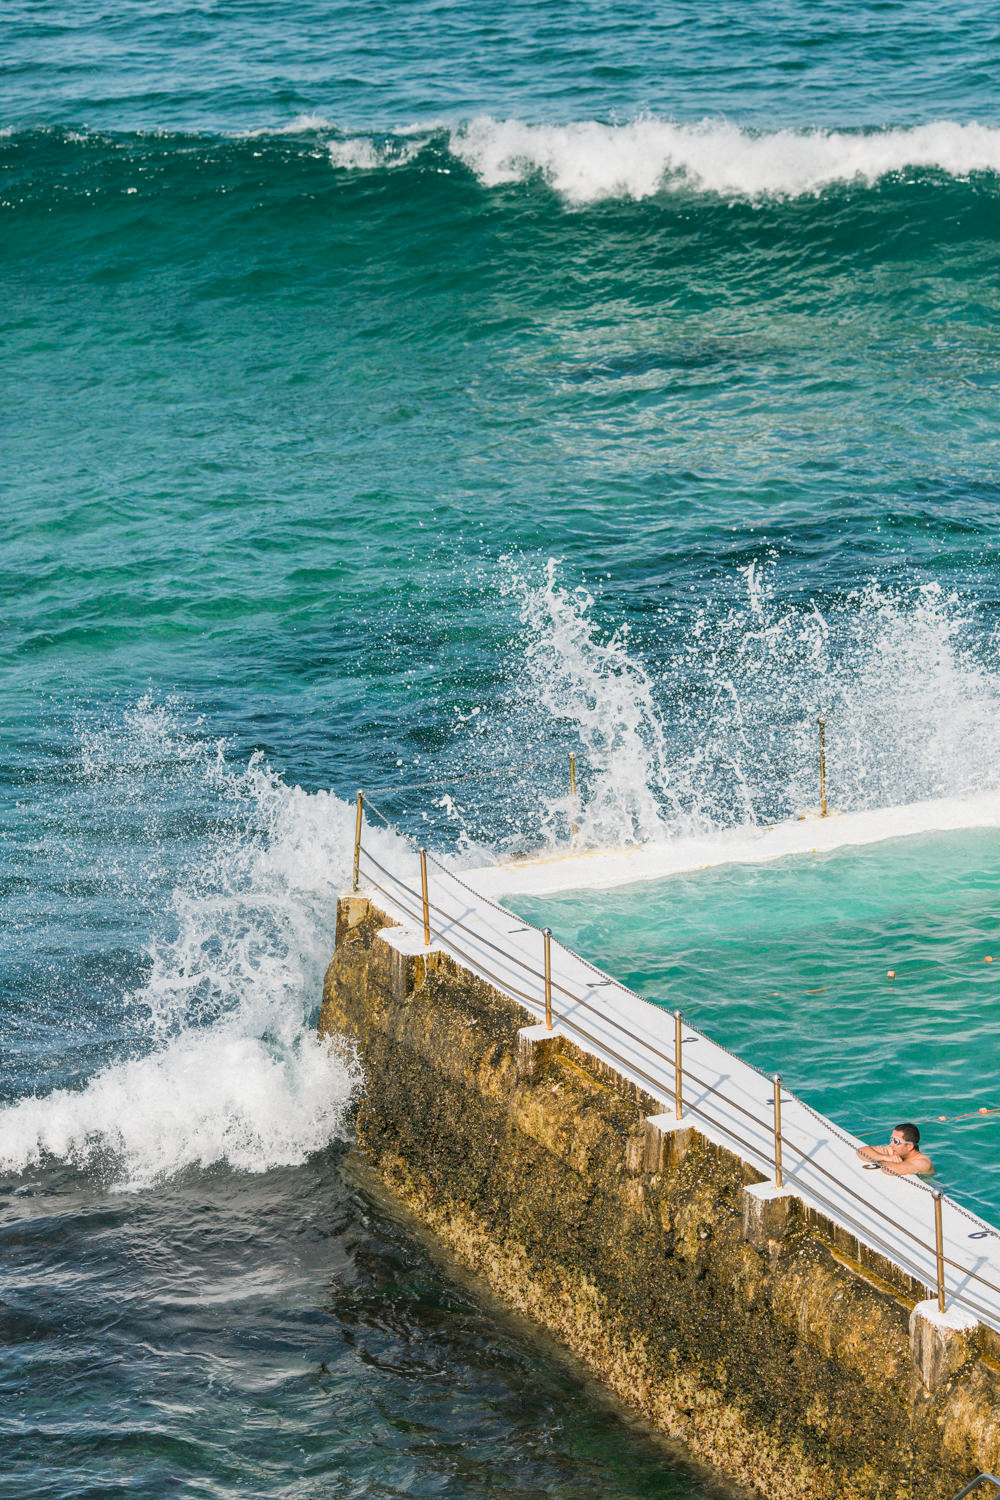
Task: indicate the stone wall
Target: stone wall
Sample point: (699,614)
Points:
(766,1340)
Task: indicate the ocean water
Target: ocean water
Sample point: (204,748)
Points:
(423,394)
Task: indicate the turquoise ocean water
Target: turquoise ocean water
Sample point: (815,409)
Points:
(404,394)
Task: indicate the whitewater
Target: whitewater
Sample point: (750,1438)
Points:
(589,160)
(222,1066)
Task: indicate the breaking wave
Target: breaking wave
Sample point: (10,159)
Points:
(587,161)
(224,1066)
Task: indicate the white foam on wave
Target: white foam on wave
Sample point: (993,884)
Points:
(587,160)
(211,1096)
(362,153)
(225,1065)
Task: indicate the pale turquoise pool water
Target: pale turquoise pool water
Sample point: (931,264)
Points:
(787,964)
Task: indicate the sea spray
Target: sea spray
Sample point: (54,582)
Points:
(907,679)
(706,719)
(220,1063)
(600,692)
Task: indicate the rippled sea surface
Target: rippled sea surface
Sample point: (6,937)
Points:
(399,395)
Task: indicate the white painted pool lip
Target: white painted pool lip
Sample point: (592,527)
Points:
(601,869)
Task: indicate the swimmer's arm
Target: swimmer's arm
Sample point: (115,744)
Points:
(877,1153)
(915,1163)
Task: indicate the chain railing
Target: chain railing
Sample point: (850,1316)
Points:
(761,1141)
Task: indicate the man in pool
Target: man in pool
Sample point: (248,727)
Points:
(902,1156)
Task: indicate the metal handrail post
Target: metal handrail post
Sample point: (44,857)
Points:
(939,1247)
(572,791)
(547,935)
(357,838)
(822,766)
(777,1130)
(678,1066)
(424,898)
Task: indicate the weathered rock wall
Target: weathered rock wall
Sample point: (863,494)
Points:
(768,1342)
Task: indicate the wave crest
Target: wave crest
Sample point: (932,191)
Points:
(587,161)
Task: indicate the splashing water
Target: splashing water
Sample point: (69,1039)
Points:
(915,701)
(907,681)
(226,1067)
(714,726)
(603,693)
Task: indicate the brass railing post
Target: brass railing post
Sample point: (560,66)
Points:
(777,1130)
(939,1247)
(822,766)
(572,791)
(424,898)
(357,838)
(547,935)
(678,1066)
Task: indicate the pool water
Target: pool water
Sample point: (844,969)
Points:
(788,964)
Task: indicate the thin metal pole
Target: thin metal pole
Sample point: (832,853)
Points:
(678,1067)
(572,790)
(423,893)
(547,935)
(357,838)
(777,1130)
(822,766)
(939,1245)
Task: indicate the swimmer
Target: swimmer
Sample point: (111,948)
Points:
(902,1156)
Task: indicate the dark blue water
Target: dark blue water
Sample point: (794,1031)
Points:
(393,395)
